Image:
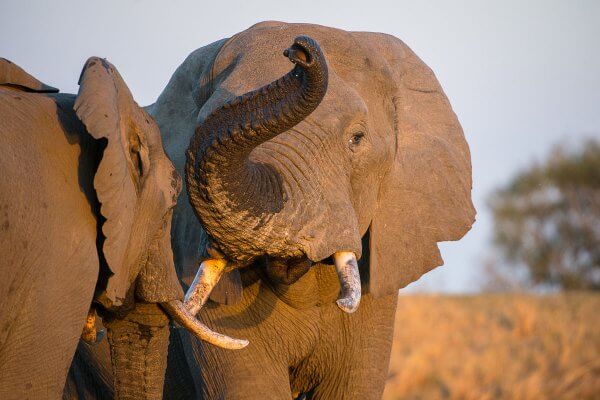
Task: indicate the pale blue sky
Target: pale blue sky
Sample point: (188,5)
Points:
(521,75)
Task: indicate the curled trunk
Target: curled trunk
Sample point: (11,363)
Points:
(232,196)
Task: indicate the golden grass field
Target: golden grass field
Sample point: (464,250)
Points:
(496,347)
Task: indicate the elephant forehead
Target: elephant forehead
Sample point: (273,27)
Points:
(342,97)
(360,81)
(255,58)
(342,105)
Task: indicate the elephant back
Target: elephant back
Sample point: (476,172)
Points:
(11,75)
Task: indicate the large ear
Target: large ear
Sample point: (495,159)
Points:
(425,197)
(106,107)
(13,75)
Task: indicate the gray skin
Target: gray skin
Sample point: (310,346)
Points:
(379,168)
(87,194)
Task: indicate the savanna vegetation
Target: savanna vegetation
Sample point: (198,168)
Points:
(496,346)
(547,222)
(514,344)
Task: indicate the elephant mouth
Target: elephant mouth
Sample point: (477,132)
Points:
(285,271)
(280,270)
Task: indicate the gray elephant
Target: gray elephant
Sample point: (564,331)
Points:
(312,195)
(87,195)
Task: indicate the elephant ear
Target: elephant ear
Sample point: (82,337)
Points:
(106,107)
(425,198)
(14,76)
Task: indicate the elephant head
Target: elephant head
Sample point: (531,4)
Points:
(137,188)
(357,144)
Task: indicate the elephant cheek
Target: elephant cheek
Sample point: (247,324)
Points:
(158,281)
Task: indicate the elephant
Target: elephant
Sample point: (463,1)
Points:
(87,197)
(314,191)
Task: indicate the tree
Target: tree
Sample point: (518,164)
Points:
(547,219)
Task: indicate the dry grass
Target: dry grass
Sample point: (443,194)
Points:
(496,347)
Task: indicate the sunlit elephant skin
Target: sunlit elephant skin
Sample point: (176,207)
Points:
(87,195)
(379,168)
(376,170)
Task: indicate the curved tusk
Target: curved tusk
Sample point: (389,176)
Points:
(206,279)
(347,270)
(178,311)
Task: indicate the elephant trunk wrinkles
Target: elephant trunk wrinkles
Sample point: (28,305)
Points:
(139,343)
(230,194)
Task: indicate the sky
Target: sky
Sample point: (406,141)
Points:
(521,75)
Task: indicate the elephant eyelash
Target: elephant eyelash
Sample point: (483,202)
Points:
(356,139)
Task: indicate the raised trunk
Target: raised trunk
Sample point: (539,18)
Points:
(139,343)
(231,195)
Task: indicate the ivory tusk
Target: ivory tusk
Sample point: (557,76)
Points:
(185,313)
(206,279)
(347,270)
(89,334)
(179,312)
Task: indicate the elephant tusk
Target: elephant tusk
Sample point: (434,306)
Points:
(206,279)
(180,313)
(347,270)
(89,334)
(185,313)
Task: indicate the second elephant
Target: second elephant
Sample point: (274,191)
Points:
(87,195)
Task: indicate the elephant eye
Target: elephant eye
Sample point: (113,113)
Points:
(356,138)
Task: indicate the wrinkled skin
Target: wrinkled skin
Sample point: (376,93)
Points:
(68,173)
(379,169)
(310,334)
